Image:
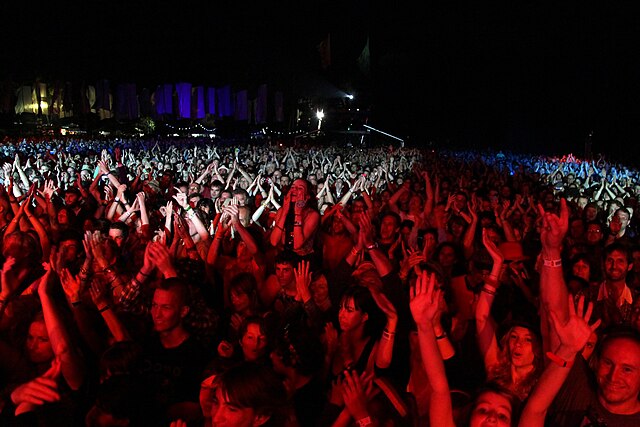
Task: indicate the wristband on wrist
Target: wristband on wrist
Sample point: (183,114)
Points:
(559,361)
(488,290)
(117,199)
(363,422)
(552,263)
(372,246)
(103,309)
(441,337)
(76,303)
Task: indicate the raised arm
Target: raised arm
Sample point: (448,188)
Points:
(553,291)
(573,335)
(424,307)
(485,325)
(71,362)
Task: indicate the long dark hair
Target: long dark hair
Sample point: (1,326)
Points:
(363,301)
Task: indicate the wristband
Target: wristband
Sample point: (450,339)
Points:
(552,263)
(363,422)
(441,337)
(488,290)
(76,303)
(103,309)
(116,199)
(297,224)
(372,246)
(559,361)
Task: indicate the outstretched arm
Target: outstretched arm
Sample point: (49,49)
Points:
(71,363)
(573,336)
(424,307)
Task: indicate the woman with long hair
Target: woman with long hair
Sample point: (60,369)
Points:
(491,405)
(515,361)
(367,323)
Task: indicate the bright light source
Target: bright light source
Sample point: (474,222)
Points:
(349,96)
(320,116)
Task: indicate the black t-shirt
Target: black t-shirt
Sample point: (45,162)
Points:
(174,374)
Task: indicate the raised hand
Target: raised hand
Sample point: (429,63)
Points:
(70,285)
(425,300)
(303,280)
(491,247)
(554,227)
(9,285)
(576,332)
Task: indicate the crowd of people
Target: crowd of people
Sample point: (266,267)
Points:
(194,282)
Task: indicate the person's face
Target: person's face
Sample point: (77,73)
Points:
(588,348)
(284,274)
(69,250)
(447,256)
(298,191)
(616,266)
(284,181)
(460,202)
(520,343)
(491,409)
(388,228)
(577,228)
(337,226)
(590,213)
(225,414)
(320,289)
(582,202)
(241,198)
(240,301)
(618,372)
(117,236)
(194,188)
(415,203)
(39,348)
(215,191)
(63,217)
(457,229)
(350,317)
(167,310)
(623,217)
(253,343)
(70,199)
(594,234)
(581,268)
(243,183)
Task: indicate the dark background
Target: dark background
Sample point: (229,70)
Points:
(519,76)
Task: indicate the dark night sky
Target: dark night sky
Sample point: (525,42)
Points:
(522,75)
